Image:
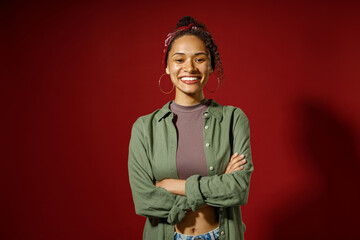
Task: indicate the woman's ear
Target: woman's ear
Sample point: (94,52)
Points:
(167,70)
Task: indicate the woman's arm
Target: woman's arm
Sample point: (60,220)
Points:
(227,189)
(149,200)
(177,186)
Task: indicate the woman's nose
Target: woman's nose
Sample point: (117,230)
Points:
(189,67)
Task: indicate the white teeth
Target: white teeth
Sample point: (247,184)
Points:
(189,78)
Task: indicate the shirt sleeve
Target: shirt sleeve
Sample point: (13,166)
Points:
(225,190)
(149,200)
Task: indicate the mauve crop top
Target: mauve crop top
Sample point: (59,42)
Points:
(190,155)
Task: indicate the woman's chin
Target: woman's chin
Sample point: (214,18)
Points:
(191,91)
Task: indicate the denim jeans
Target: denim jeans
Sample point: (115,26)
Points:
(212,235)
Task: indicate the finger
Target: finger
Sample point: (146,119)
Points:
(228,168)
(236,165)
(236,169)
(234,156)
(238,161)
(231,159)
(230,164)
(238,157)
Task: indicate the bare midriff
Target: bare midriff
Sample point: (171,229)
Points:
(202,221)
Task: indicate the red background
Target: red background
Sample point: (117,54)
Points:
(75,75)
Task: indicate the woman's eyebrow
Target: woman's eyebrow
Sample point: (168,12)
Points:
(178,53)
(199,53)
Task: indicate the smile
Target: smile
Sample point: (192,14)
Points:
(190,80)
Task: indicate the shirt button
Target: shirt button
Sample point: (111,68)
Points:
(207,144)
(221,209)
(222,232)
(211,168)
(206,127)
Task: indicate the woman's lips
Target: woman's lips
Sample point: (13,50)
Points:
(190,80)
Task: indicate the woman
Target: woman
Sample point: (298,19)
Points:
(187,166)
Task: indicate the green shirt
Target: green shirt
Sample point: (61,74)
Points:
(152,157)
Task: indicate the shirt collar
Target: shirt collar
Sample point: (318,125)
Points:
(214,109)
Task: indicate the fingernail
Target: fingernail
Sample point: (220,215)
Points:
(236,154)
(242,155)
(244,160)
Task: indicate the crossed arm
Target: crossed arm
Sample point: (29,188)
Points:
(177,186)
(167,198)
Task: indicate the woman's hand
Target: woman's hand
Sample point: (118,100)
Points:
(175,186)
(235,163)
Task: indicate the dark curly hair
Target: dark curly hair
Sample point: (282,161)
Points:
(201,32)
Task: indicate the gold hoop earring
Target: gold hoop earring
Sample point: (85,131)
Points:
(218,85)
(160,85)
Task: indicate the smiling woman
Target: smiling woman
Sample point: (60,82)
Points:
(190,161)
(189,68)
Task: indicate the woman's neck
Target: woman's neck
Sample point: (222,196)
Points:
(188,100)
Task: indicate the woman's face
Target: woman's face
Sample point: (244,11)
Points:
(189,65)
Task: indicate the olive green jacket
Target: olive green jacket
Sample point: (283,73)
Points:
(152,157)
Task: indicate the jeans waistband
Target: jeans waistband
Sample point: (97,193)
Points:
(212,235)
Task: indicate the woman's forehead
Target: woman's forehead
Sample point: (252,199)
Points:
(187,44)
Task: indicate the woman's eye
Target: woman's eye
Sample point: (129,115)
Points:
(200,60)
(179,60)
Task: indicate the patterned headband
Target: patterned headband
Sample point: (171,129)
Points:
(171,36)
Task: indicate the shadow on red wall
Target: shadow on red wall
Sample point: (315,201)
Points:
(327,144)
